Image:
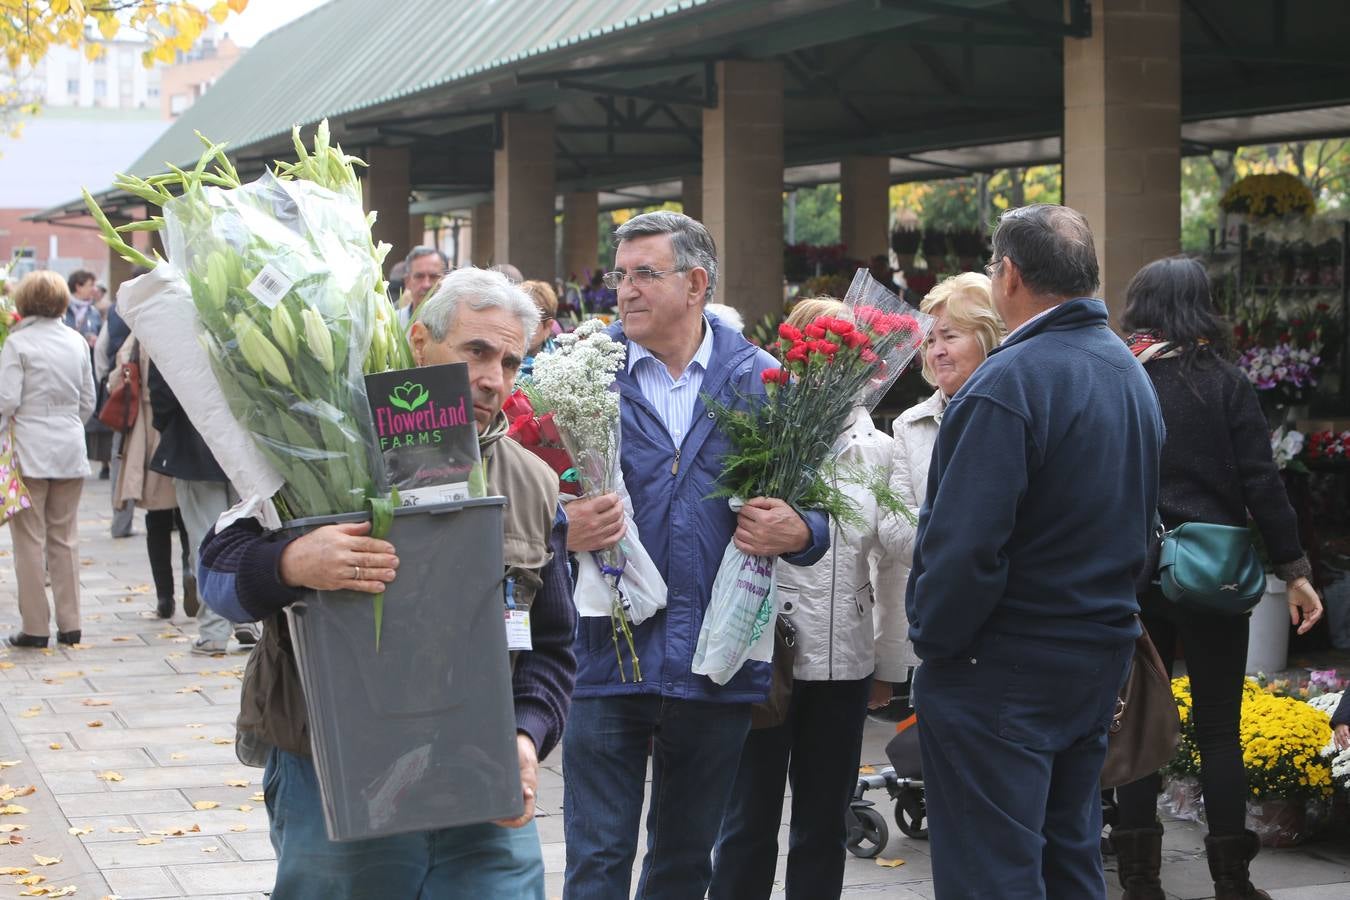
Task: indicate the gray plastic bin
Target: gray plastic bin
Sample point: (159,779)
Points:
(420,735)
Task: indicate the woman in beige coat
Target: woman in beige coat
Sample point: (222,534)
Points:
(147,489)
(46,394)
(966,330)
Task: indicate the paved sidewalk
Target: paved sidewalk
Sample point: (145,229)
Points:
(127,741)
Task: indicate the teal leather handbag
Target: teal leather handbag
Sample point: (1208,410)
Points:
(1211,568)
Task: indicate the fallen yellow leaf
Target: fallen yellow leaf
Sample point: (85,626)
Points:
(13,870)
(25,791)
(258,797)
(222,740)
(889,863)
(9,763)
(89,701)
(67,891)
(177,832)
(210,849)
(867,770)
(121,637)
(205,804)
(239,828)
(190,689)
(11,826)
(46,860)
(6,665)
(78,832)
(30,712)
(95,724)
(236,782)
(31,880)
(110,776)
(244,807)
(194,725)
(124,829)
(12,809)
(147,841)
(11,839)
(53,746)
(177,756)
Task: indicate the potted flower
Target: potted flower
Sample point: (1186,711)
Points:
(935,249)
(1287,776)
(905,242)
(971,248)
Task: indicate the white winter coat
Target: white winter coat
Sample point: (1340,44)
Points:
(831,603)
(47,391)
(915,432)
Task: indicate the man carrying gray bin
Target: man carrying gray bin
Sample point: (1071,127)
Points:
(248,574)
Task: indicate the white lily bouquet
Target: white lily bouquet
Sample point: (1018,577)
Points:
(286,285)
(574,384)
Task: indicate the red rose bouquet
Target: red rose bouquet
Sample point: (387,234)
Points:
(782,447)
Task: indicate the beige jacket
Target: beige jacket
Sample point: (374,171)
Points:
(831,603)
(915,433)
(47,391)
(135,482)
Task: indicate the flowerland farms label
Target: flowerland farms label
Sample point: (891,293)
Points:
(424,423)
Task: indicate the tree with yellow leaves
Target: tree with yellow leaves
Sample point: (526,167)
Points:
(29,29)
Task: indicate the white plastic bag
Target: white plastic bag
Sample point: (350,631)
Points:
(738,624)
(158,308)
(641,586)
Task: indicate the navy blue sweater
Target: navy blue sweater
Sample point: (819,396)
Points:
(1041,493)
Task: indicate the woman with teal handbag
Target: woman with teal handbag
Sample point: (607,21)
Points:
(1216,470)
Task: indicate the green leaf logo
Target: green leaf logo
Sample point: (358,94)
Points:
(409,396)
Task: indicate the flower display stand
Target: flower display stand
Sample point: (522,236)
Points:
(1268,646)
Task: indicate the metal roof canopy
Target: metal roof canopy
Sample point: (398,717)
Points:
(942,86)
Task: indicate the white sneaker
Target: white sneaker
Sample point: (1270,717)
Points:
(201,647)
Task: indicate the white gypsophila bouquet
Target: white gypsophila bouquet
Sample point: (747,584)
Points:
(1325,702)
(574,385)
(1340,759)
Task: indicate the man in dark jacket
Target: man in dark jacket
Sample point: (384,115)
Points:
(1021,601)
(203,493)
(671,455)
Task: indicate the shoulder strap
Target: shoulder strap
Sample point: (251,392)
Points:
(1160,350)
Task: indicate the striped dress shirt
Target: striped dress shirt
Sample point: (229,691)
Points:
(673,399)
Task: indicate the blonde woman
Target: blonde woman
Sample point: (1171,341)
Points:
(966,330)
(829,606)
(46,394)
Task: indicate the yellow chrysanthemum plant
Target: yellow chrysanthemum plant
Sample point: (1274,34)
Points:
(1274,195)
(1282,742)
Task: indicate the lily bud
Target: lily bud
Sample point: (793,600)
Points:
(317,337)
(283,330)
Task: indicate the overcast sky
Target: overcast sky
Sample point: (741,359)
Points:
(262,16)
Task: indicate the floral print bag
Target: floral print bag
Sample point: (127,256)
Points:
(16,497)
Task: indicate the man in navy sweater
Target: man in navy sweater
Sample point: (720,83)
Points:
(1021,600)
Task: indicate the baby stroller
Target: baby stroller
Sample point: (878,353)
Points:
(903,782)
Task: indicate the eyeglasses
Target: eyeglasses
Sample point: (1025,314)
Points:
(992,269)
(638,277)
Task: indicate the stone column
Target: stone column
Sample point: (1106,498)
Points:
(1122,135)
(523,194)
(417,230)
(480,235)
(743,185)
(865,206)
(691,196)
(581,235)
(385,190)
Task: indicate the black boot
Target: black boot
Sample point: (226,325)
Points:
(1139,857)
(19,639)
(164,608)
(1229,855)
(68,637)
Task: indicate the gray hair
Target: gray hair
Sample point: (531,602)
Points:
(1051,246)
(419,252)
(693,245)
(478,289)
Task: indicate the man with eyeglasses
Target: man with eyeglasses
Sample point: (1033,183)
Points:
(671,456)
(426,267)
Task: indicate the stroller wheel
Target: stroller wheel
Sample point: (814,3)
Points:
(867,832)
(910,813)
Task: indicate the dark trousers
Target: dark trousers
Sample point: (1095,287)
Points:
(1216,659)
(695,747)
(1013,739)
(159,528)
(818,747)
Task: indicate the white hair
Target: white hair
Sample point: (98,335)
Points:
(728,314)
(479,289)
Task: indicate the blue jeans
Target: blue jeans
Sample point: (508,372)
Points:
(819,743)
(1013,739)
(471,862)
(696,748)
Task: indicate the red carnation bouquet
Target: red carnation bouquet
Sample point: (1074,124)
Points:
(784,447)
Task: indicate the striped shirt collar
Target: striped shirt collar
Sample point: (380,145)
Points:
(703,356)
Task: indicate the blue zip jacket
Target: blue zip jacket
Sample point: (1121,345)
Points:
(1041,493)
(685,532)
